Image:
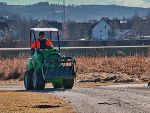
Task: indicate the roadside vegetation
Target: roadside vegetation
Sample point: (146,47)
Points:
(116,69)
(131,67)
(12,68)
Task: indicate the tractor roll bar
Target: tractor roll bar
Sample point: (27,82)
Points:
(58,41)
(46,29)
(30,37)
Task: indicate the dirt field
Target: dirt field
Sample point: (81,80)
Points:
(29,102)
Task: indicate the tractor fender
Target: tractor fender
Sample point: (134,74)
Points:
(30,64)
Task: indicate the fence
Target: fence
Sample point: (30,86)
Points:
(84,51)
(24,44)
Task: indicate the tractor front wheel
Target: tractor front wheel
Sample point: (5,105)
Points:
(68,83)
(28,75)
(38,80)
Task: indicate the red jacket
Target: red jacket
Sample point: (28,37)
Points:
(40,43)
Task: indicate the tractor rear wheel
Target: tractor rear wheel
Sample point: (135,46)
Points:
(68,83)
(28,83)
(57,85)
(38,80)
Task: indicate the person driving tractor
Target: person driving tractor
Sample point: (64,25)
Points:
(41,43)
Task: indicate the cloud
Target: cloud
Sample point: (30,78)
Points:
(135,3)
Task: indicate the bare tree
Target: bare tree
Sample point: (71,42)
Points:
(136,25)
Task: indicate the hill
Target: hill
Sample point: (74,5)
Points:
(44,10)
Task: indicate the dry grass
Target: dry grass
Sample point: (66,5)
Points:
(12,68)
(131,66)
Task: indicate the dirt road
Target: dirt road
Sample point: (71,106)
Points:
(132,98)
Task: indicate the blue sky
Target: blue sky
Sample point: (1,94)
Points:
(132,3)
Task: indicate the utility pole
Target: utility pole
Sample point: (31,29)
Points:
(64,18)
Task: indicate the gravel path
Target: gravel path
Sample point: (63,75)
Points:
(132,98)
(109,99)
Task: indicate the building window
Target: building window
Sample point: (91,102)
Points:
(1,34)
(105,26)
(100,38)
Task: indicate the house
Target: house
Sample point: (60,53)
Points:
(41,24)
(101,29)
(49,24)
(124,29)
(111,29)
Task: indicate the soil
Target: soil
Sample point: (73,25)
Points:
(30,102)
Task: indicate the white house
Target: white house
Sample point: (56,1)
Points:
(111,29)
(100,30)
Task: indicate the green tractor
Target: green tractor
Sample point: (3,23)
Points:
(48,66)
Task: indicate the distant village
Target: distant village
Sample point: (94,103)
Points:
(17,28)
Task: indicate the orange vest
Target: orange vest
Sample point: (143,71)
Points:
(38,43)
